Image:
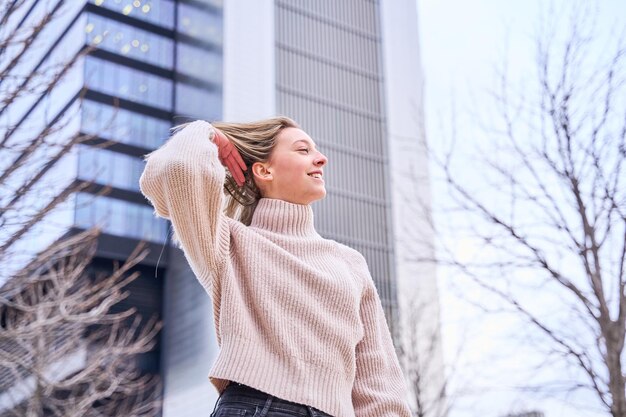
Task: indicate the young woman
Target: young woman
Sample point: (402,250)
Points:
(298,319)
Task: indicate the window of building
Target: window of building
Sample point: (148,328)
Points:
(200,24)
(129,41)
(119,218)
(154,11)
(199,63)
(128,83)
(198,103)
(123,125)
(109,168)
(215,3)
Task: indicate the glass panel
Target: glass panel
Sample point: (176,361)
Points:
(198,103)
(123,125)
(200,24)
(83,211)
(129,41)
(215,3)
(128,83)
(119,218)
(199,63)
(158,12)
(109,168)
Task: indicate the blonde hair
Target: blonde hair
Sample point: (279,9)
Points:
(255,142)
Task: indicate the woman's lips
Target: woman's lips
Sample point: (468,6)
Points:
(317,179)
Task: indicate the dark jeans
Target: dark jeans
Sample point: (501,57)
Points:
(242,400)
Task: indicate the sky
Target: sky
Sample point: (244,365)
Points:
(462,43)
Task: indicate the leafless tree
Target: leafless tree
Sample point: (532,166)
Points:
(419,352)
(64,349)
(545,205)
(36,131)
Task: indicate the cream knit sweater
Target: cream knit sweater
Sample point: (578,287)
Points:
(296,315)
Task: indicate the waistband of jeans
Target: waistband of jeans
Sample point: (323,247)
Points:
(242,393)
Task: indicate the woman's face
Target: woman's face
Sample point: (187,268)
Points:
(287,175)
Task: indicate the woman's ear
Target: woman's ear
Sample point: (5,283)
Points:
(261,172)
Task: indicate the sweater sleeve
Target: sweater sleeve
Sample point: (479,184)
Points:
(183,180)
(379,388)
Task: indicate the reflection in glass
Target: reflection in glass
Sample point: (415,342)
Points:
(214,3)
(129,41)
(123,125)
(109,168)
(200,24)
(199,63)
(195,102)
(158,12)
(128,83)
(120,218)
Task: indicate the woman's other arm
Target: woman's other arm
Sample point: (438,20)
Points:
(379,388)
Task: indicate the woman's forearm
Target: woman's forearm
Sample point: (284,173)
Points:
(183,180)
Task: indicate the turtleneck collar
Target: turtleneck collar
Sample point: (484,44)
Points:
(280,216)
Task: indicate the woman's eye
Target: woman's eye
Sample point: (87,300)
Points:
(304,149)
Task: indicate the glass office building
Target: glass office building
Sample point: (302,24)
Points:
(151,64)
(156,64)
(152,60)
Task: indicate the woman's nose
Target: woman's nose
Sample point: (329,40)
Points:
(321,160)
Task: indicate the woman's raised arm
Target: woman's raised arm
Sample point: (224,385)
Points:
(184,180)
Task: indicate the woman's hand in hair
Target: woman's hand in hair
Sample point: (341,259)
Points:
(230,157)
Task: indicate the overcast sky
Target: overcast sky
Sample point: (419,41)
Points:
(461,43)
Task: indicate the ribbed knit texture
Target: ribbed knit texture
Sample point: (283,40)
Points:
(296,315)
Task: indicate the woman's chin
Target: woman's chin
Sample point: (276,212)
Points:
(321,195)
(316,196)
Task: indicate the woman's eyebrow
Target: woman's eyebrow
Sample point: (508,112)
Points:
(305,141)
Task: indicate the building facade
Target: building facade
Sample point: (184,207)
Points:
(347,71)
